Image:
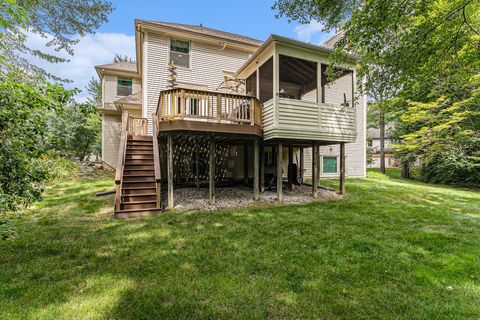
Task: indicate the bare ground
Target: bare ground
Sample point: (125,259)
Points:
(241,197)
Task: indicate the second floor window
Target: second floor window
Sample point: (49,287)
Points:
(124,86)
(180,53)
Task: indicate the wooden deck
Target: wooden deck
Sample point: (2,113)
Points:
(209,112)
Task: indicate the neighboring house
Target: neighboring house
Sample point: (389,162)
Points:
(373,142)
(240,94)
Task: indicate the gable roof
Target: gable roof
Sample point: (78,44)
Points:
(123,66)
(200,29)
(274,38)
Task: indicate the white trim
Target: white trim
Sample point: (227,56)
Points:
(145,76)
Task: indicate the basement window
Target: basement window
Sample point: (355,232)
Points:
(124,86)
(180,53)
(329,165)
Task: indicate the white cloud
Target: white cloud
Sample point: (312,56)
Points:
(92,50)
(312,32)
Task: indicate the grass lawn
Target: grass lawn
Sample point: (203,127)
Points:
(391,249)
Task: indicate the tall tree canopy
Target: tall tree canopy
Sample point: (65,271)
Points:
(31,107)
(409,37)
(424,57)
(60,22)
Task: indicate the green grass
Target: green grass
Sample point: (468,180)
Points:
(391,249)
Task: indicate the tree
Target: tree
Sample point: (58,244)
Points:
(75,130)
(28,101)
(23,141)
(430,50)
(94,88)
(119,58)
(60,22)
(403,36)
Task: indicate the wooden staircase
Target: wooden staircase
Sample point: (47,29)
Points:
(138,176)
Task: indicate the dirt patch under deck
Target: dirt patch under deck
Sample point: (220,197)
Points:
(241,197)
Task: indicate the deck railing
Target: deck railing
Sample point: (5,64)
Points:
(121,160)
(214,106)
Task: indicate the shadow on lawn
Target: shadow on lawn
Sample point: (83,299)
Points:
(329,259)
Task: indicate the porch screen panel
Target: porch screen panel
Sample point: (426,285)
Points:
(266,80)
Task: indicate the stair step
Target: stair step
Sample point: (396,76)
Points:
(132,172)
(144,178)
(140,196)
(138,202)
(135,213)
(145,162)
(138,167)
(139,156)
(139,138)
(139,152)
(146,149)
(128,191)
(128,184)
(138,205)
(139,143)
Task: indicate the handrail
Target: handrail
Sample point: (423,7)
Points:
(137,126)
(209,105)
(121,160)
(156,161)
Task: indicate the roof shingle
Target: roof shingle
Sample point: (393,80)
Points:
(119,66)
(206,31)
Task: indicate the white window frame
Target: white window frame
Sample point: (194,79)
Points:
(189,53)
(330,173)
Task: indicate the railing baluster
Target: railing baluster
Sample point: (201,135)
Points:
(186,103)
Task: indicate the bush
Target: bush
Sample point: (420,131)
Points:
(451,166)
(56,167)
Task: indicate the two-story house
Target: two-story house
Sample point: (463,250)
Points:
(239,111)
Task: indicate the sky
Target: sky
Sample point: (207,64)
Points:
(251,18)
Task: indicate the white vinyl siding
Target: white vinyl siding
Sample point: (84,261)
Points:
(208,63)
(111,127)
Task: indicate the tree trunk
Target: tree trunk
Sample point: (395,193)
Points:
(382,140)
(405,173)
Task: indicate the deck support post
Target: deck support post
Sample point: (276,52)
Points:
(315,169)
(290,162)
(262,167)
(279,173)
(256,169)
(211,170)
(301,165)
(245,164)
(197,170)
(170,170)
(342,168)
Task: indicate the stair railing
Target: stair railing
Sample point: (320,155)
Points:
(137,126)
(121,161)
(156,161)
